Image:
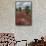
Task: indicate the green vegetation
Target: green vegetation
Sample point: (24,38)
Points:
(27,10)
(20,9)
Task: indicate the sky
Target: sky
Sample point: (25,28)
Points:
(22,4)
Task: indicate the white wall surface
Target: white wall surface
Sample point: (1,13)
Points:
(7,20)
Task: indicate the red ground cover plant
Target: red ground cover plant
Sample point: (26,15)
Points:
(23,19)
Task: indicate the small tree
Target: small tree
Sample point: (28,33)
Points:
(20,9)
(27,9)
(16,9)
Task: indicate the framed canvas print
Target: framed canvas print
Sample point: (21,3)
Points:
(23,13)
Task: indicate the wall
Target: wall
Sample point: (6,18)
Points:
(7,20)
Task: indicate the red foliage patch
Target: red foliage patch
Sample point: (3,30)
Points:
(23,19)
